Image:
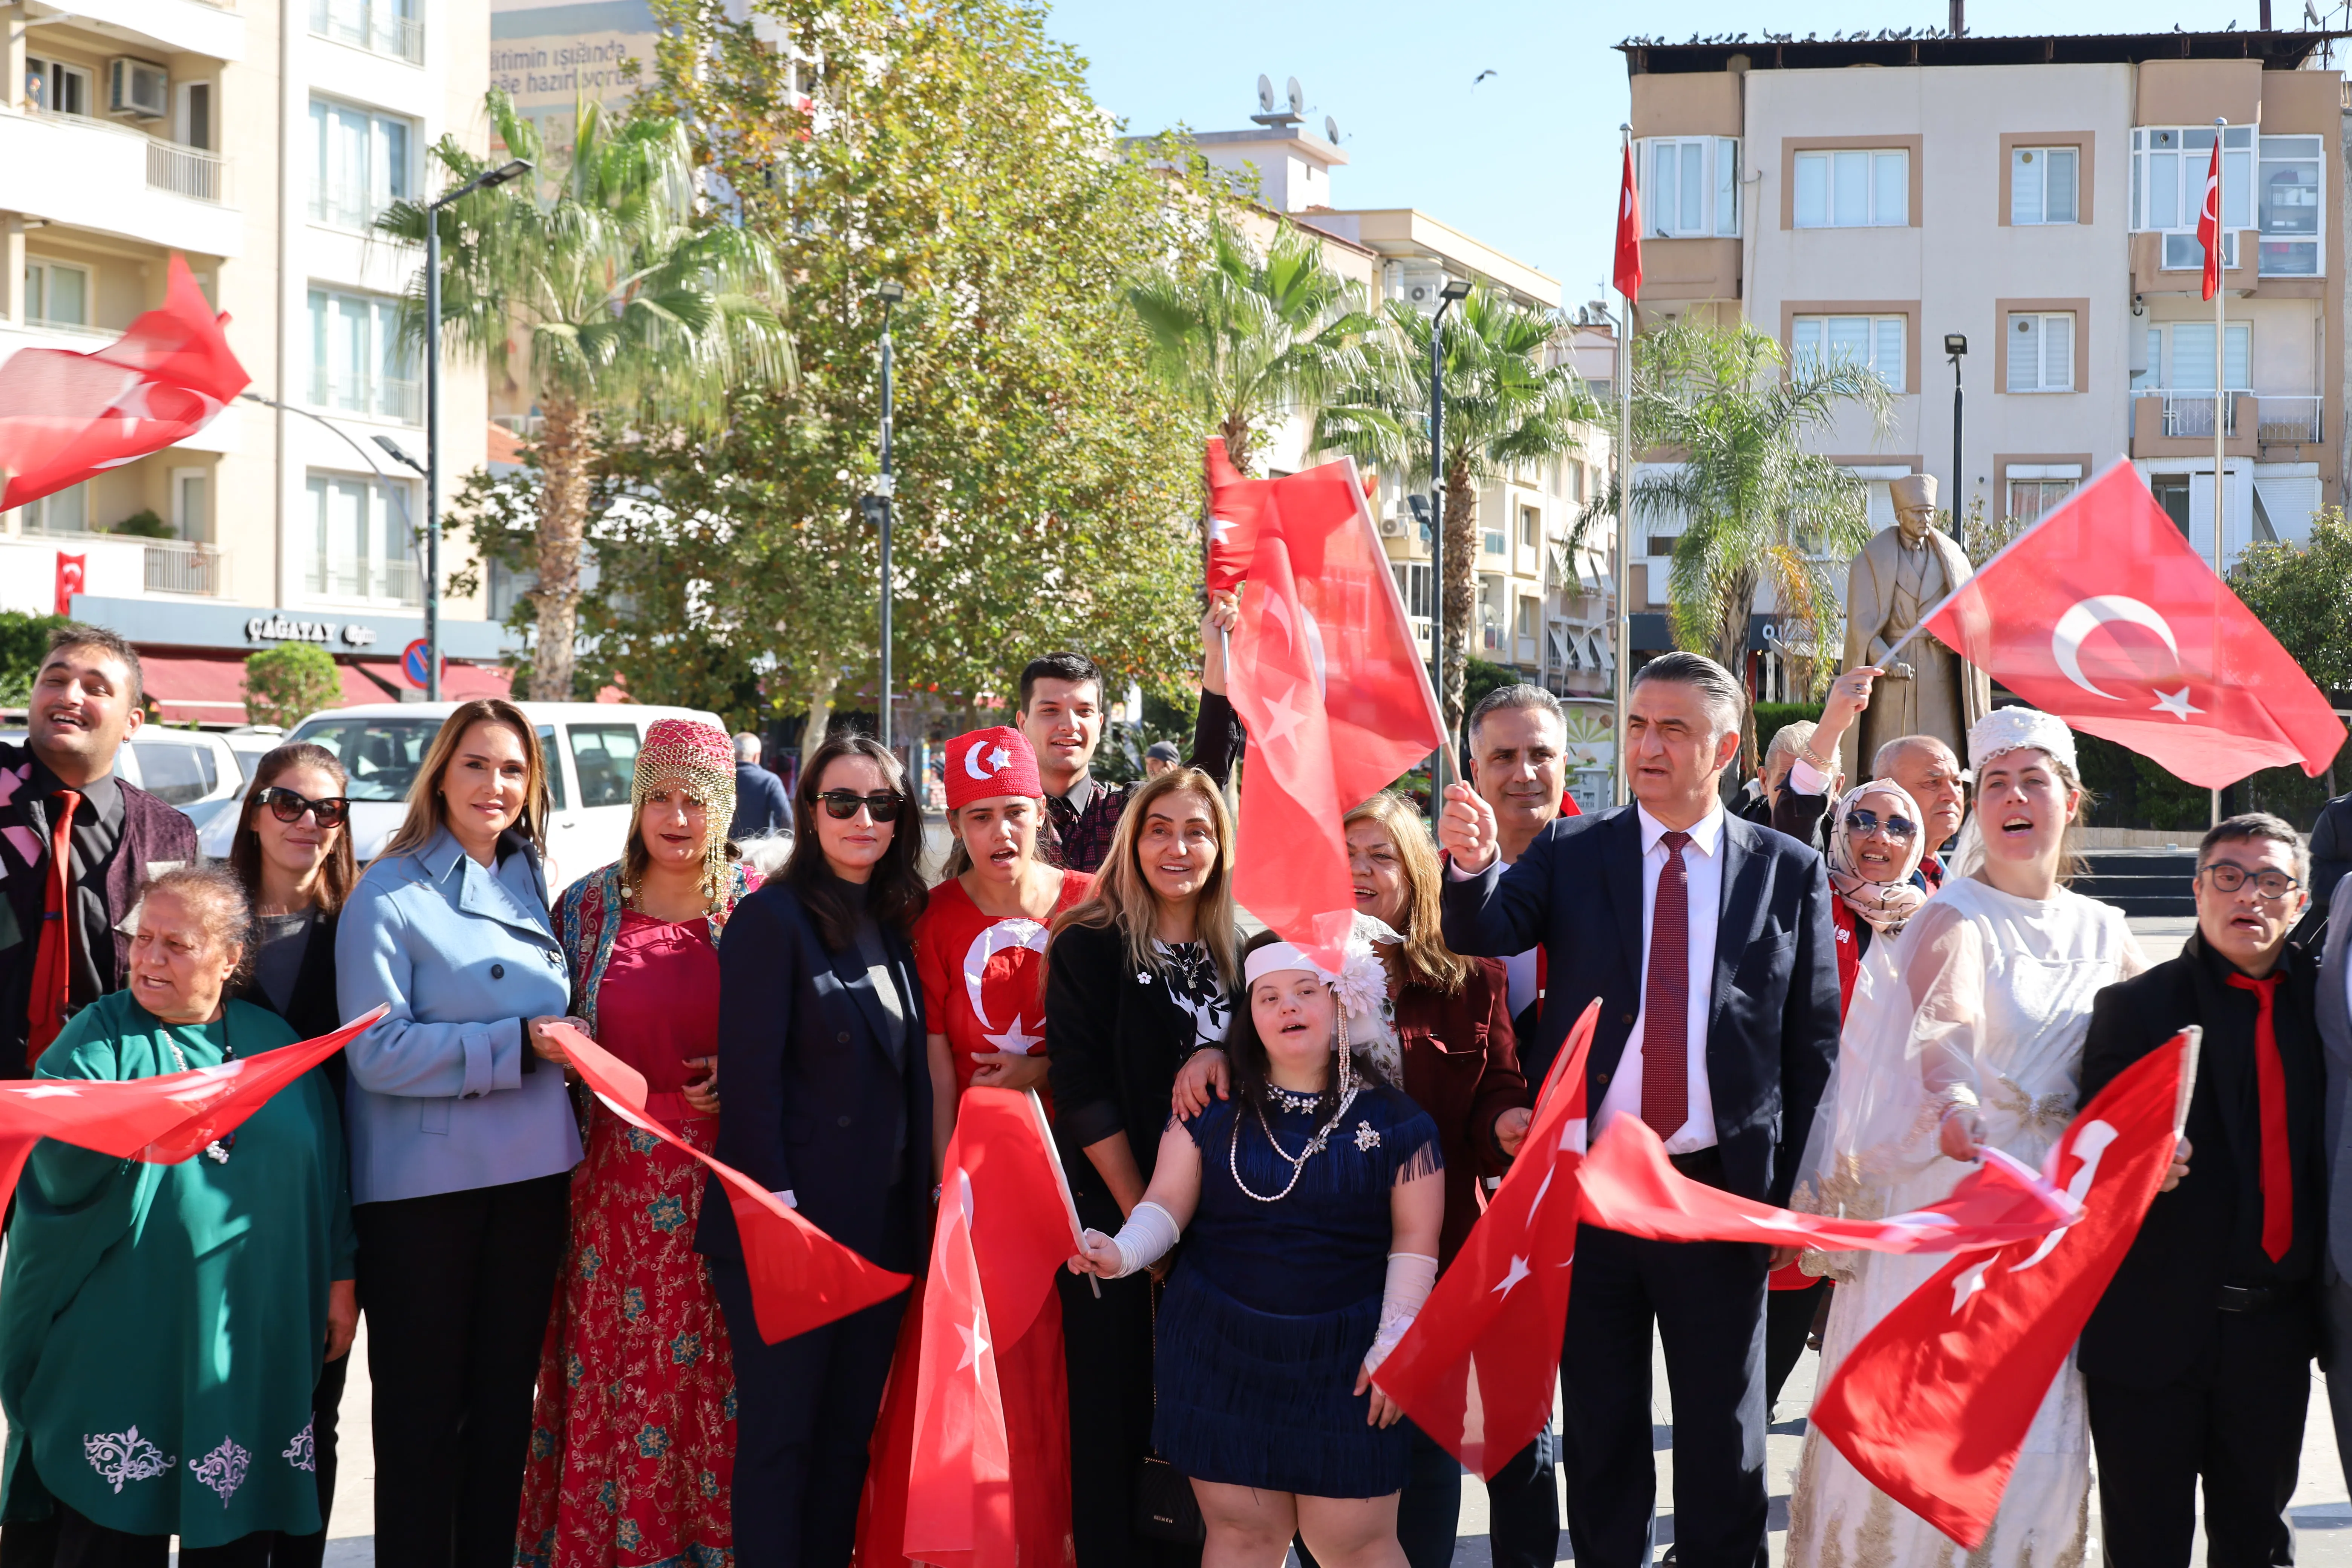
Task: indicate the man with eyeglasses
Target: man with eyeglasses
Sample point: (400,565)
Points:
(2198,1358)
(1923,766)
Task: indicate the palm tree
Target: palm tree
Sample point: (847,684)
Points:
(1755,507)
(1247,338)
(1505,405)
(615,296)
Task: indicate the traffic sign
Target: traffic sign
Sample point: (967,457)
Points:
(416,663)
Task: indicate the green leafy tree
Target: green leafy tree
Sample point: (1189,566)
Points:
(1505,404)
(23,643)
(2305,596)
(286,684)
(614,297)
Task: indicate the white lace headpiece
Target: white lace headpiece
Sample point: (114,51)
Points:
(1361,986)
(2012,729)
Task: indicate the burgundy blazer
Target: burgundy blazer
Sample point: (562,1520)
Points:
(1461,1066)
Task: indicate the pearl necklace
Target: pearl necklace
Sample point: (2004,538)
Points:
(1297,1165)
(217,1149)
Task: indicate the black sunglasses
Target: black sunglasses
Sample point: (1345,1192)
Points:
(841,804)
(1865,821)
(287,807)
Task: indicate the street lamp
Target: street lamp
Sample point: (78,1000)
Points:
(1455,288)
(876,506)
(488,179)
(1957,346)
(384,481)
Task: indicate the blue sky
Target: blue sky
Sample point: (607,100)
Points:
(1526,161)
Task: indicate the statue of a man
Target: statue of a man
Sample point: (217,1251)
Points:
(1896,580)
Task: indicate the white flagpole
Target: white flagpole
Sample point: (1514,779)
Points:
(2220,392)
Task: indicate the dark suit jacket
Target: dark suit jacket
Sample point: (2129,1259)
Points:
(1772,1020)
(2331,850)
(311,1010)
(761,803)
(2159,1319)
(811,1102)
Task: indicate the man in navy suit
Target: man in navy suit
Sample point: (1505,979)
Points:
(1708,940)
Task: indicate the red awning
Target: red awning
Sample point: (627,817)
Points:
(191,689)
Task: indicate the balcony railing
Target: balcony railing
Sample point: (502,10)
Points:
(2189,416)
(2282,421)
(382,397)
(345,578)
(378,29)
(186,171)
(176,566)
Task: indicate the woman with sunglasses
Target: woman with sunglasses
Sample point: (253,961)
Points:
(636,1309)
(293,857)
(827,1102)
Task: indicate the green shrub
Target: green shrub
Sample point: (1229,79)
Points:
(145,524)
(286,684)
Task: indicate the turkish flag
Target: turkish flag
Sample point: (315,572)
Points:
(959,1490)
(800,1278)
(2102,614)
(1475,1370)
(1630,1187)
(1234,503)
(2209,221)
(1328,679)
(64,416)
(73,577)
(1628,279)
(1933,1404)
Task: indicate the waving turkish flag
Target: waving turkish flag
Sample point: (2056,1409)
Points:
(960,1492)
(1628,277)
(65,416)
(2209,221)
(1933,1404)
(1328,679)
(1475,1370)
(2102,614)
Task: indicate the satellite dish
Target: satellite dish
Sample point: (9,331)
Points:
(1264,94)
(1330,130)
(1297,96)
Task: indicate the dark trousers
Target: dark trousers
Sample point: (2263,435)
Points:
(1107,1351)
(2236,1424)
(326,1408)
(457,1289)
(1522,1509)
(1787,1323)
(1706,1299)
(804,1411)
(68,1540)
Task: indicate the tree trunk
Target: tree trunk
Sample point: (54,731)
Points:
(820,711)
(566,446)
(1732,652)
(1460,579)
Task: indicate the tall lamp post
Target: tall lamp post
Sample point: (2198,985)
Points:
(1957,346)
(876,506)
(1455,288)
(488,179)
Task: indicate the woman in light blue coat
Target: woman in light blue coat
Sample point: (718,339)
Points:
(461,1136)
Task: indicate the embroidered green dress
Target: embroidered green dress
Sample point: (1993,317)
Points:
(162,1326)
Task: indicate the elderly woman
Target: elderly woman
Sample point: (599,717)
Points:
(162,1327)
(637,1345)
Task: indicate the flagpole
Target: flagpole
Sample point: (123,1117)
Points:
(2220,392)
(1623,790)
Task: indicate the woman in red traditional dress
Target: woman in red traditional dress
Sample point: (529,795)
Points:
(633,1432)
(979,949)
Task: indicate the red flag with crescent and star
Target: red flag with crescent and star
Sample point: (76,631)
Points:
(1328,679)
(1628,277)
(2102,614)
(1476,1369)
(2209,221)
(1933,1404)
(65,416)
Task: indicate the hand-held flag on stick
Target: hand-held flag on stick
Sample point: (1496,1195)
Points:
(959,1491)
(2102,614)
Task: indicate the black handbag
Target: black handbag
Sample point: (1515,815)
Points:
(1165,1508)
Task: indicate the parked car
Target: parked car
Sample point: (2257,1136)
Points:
(196,770)
(591,749)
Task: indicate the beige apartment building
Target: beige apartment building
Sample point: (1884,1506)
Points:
(2038,197)
(260,138)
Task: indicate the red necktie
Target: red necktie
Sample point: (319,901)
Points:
(52,959)
(2269,1086)
(1665,998)
(1935,870)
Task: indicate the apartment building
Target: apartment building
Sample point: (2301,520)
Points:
(260,138)
(1873,199)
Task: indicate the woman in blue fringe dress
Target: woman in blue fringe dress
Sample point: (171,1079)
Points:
(1311,1204)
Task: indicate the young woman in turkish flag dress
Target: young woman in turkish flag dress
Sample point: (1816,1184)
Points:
(980,949)
(1965,1032)
(632,1431)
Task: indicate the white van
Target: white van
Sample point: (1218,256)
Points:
(591,749)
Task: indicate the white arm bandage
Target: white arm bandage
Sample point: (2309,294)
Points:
(1411,1276)
(1146,1237)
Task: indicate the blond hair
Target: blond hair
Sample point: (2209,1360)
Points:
(429,814)
(1427,960)
(1123,898)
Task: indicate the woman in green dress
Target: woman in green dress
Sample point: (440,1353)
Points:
(162,1327)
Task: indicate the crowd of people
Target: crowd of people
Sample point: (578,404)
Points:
(1835,997)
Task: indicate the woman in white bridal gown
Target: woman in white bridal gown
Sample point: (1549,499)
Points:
(1967,1032)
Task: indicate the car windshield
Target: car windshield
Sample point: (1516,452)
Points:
(379,754)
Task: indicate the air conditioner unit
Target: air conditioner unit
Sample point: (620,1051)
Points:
(1420,289)
(1391,528)
(141,89)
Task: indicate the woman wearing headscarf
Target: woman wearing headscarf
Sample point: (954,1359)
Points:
(162,1327)
(633,1438)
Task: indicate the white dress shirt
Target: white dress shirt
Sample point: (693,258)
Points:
(1703,878)
(1806,779)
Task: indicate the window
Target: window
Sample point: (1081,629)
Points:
(177,772)
(2029,499)
(55,88)
(552,764)
(2041,185)
(1530,526)
(191,509)
(2181,356)
(1412,586)
(359,361)
(55,295)
(60,512)
(2287,207)
(1526,619)
(1493,542)
(605,758)
(358,163)
(1875,343)
(362,544)
(1853,190)
(1691,185)
(2168,165)
(2042,352)
(2172,494)
(196,114)
(386,26)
